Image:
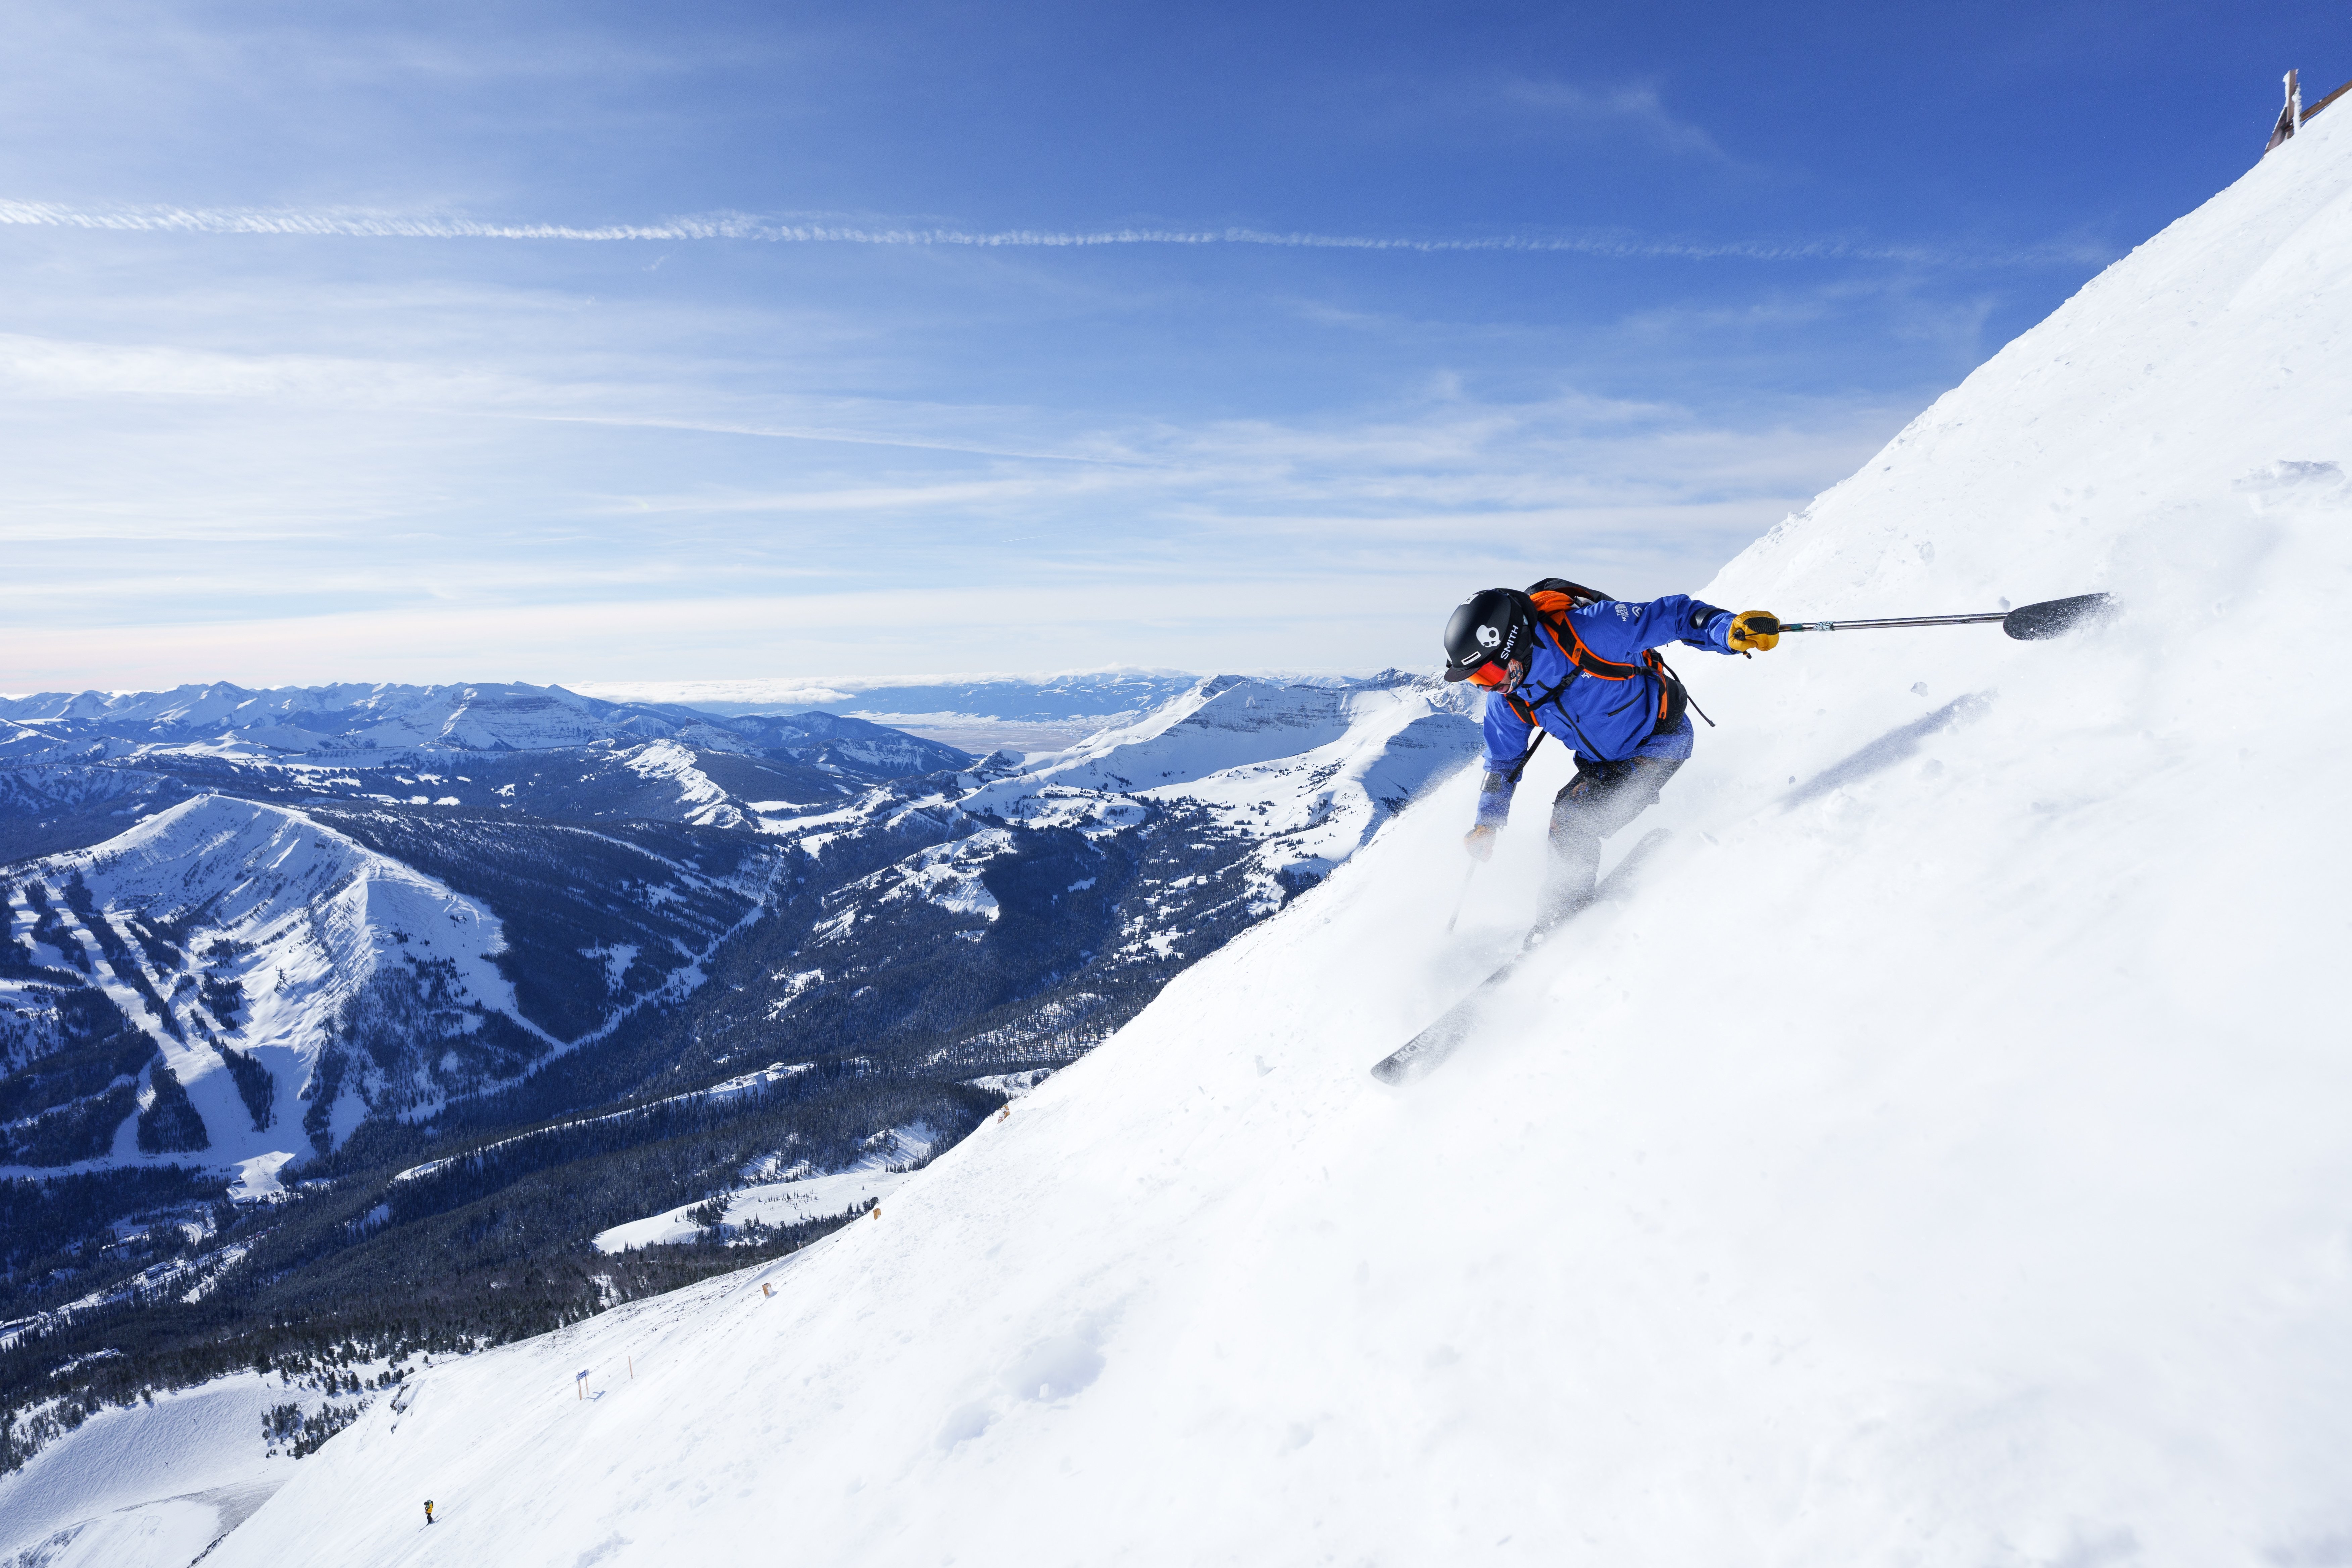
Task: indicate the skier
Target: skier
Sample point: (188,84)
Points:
(1580,665)
(428,1510)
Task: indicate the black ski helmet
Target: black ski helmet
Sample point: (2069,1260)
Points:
(1489,626)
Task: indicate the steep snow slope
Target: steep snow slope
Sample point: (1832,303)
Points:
(1940,1159)
(150,1485)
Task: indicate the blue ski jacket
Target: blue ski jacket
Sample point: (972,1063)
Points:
(1600,720)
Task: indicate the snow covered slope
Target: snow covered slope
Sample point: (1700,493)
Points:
(791,1196)
(1941,1159)
(149,1486)
(294,971)
(1229,721)
(224,926)
(1315,807)
(1307,772)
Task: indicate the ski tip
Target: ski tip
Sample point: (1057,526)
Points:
(1415,1057)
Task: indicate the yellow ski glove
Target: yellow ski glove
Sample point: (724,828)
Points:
(1754,629)
(1480,842)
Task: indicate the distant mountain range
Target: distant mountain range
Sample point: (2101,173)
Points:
(1099,695)
(381,725)
(982,713)
(363,1011)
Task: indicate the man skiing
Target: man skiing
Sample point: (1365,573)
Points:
(1580,665)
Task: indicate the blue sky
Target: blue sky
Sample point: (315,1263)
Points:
(599,343)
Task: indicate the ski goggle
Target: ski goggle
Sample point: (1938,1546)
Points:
(1490,675)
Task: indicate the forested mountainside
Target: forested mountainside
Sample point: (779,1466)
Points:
(311,1052)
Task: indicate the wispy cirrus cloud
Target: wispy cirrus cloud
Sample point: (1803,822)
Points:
(364,223)
(1636,107)
(172,511)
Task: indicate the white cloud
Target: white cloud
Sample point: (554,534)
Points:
(250,526)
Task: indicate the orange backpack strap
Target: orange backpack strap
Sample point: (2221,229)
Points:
(1552,615)
(1552,599)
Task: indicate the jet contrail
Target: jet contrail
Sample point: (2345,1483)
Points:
(364,225)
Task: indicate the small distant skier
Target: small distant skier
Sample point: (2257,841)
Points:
(428,1510)
(1581,665)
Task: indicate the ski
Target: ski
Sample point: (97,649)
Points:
(1418,1055)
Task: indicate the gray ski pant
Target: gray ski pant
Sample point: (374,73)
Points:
(1599,800)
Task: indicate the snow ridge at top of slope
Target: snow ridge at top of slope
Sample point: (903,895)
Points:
(1939,1159)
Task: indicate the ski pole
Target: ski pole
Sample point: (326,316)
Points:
(1461,898)
(1893,621)
(2026,623)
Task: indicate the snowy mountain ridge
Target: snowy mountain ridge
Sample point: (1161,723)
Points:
(378,726)
(293,980)
(1278,784)
(1071,696)
(1940,1157)
(223,926)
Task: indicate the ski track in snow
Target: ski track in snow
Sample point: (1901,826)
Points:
(1940,1158)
